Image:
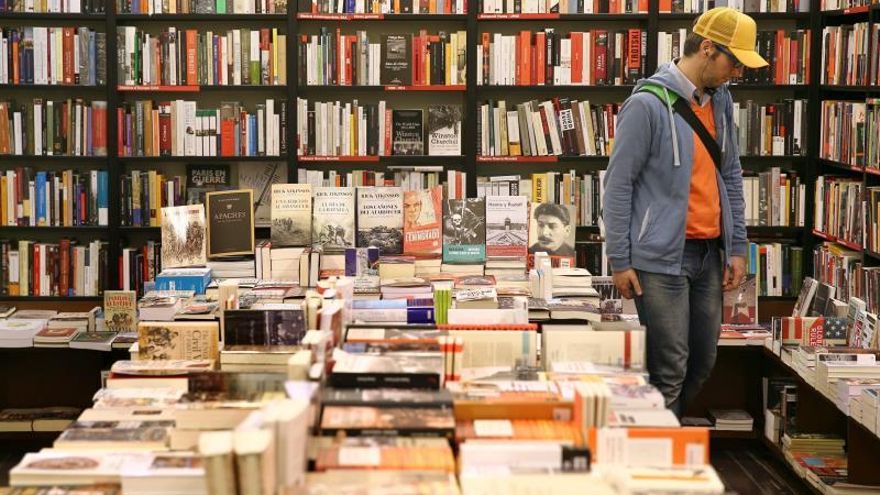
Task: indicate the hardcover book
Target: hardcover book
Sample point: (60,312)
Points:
(183,236)
(396,60)
(444,130)
(291,215)
(333,218)
(507,226)
(230,223)
(178,340)
(259,178)
(407,132)
(422,221)
(380,219)
(120,310)
(263,327)
(464,230)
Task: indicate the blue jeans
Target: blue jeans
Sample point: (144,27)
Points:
(682,315)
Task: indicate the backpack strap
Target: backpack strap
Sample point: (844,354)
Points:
(682,108)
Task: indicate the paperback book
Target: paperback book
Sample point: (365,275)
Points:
(230,223)
(291,215)
(464,231)
(178,340)
(183,236)
(422,215)
(259,178)
(333,218)
(444,130)
(507,226)
(407,132)
(203,178)
(380,219)
(396,60)
(120,310)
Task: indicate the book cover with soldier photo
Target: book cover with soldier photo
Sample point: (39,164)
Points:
(184,243)
(291,215)
(333,218)
(423,221)
(380,219)
(464,230)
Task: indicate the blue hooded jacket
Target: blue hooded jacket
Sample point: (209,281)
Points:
(647,184)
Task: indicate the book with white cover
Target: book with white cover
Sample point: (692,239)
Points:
(333,218)
(67,468)
(291,215)
(181,473)
(574,343)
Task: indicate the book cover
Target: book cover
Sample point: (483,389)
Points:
(396,60)
(507,226)
(263,327)
(120,310)
(444,130)
(805,297)
(741,305)
(464,230)
(380,219)
(333,217)
(422,215)
(552,229)
(183,236)
(407,132)
(178,340)
(291,215)
(203,178)
(259,178)
(230,223)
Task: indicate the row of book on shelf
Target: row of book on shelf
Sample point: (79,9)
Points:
(850,132)
(201,7)
(72,127)
(189,57)
(53,55)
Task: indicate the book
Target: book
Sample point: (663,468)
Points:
(263,327)
(120,310)
(422,221)
(464,230)
(552,230)
(202,178)
(407,133)
(230,223)
(183,236)
(396,60)
(259,178)
(805,297)
(291,215)
(444,130)
(333,218)
(380,219)
(178,340)
(507,226)
(96,341)
(740,306)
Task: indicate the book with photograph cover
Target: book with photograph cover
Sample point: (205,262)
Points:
(805,297)
(120,310)
(291,215)
(183,236)
(178,340)
(464,230)
(230,223)
(380,219)
(388,421)
(444,130)
(507,226)
(552,230)
(204,178)
(407,132)
(741,304)
(263,327)
(422,221)
(259,178)
(396,60)
(333,218)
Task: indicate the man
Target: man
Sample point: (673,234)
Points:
(412,208)
(673,206)
(553,230)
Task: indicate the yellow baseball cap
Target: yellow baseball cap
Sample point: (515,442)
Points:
(734,30)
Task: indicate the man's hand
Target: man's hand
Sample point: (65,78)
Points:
(627,282)
(733,273)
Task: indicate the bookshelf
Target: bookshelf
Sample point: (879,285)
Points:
(469,95)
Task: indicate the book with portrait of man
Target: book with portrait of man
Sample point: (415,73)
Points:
(291,215)
(422,221)
(552,230)
(464,231)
